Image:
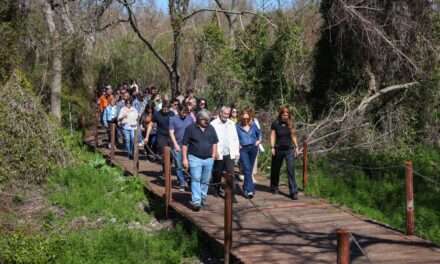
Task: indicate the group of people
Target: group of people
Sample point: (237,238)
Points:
(204,145)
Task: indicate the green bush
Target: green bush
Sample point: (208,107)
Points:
(373,184)
(30,144)
(110,244)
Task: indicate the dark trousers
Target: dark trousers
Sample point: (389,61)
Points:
(162,141)
(248,154)
(220,166)
(277,161)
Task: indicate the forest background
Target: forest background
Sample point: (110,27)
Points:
(361,77)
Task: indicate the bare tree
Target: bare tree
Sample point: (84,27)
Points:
(179,14)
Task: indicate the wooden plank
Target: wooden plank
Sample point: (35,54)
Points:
(275,229)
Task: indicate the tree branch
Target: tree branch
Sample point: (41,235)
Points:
(133,23)
(366,101)
(240,13)
(113,23)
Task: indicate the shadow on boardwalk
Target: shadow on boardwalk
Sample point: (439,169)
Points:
(274,229)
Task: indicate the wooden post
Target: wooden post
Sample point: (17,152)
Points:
(112,140)
(343,246)
(96,132)
(136,152)
(228,216)
(305,165)
(409,198)
(167,175)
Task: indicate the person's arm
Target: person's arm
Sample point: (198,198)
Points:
(214,151)
(214,143)
(185,156)
(173,139)
(258,135)
(149,127)
(147,135)
(122,115)
(295,141)
(105,118)
(185,143)
(273,141)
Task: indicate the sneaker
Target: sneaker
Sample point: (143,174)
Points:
(274,190)
(109,145)
(204,203)
(182,189)
(250,195)
(221,192)
(241,177)
(196,207)
(141,145)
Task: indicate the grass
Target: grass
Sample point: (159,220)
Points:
(377,194)
(97,216)
(380,194)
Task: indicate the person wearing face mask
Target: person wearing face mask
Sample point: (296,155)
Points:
(284,146)
(249,138)
(199,148)
(178,124)
(228,149)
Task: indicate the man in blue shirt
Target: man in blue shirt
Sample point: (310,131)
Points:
(178,124)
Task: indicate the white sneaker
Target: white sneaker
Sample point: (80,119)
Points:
(141,144)
(109,145)
(241,177)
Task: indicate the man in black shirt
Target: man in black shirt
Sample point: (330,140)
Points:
(199,149)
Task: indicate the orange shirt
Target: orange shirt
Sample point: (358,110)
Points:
(102,102)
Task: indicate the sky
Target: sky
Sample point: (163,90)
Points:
(268,4)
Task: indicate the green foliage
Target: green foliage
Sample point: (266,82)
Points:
(11,26)
(36,249)
(130,59)
(96,190)
(29,140)
(86,191)
(380,193)
(110,244)
(224,72)
(256,68)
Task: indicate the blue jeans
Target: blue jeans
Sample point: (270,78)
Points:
(200,176)
(248,154)
(129,141)
(179,166)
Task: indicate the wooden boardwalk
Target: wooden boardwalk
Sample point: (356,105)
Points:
(275,229)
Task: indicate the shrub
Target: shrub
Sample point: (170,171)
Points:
(30,144)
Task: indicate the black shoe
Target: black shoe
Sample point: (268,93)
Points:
(274,191)
(294,196)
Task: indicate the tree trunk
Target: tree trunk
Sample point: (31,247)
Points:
(174,74)
(56,68)
(56,83)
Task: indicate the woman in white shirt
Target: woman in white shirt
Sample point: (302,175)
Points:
(128,117)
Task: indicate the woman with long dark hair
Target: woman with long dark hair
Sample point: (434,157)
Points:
(284,146)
